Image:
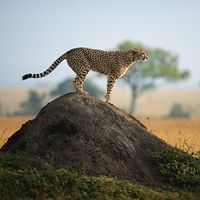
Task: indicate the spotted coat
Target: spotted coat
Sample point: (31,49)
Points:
(114,64)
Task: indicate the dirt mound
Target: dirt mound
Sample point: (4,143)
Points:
(83,133)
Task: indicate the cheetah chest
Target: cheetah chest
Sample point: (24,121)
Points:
(123,71)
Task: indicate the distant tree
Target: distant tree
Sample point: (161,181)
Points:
(66,86)
(178,112)
(32,105)
(1,112)
(161,65)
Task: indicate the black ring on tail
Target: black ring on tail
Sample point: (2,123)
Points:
(26,76)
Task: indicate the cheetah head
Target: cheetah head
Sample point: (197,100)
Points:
(139,55)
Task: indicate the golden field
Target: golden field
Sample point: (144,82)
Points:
(8,126)
(183,133)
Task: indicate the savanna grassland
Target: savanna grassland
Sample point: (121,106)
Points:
(9,125)
(183,133)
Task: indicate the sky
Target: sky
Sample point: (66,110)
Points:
(34,33)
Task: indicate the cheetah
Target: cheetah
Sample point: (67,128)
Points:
(114,64)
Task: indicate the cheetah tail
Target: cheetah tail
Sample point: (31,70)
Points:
(48,71)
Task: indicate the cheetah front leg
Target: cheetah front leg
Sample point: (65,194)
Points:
(110,85)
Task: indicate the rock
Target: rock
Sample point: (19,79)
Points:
(80,132)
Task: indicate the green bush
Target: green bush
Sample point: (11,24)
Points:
(180,167)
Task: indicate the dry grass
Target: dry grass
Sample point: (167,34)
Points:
(8,125)
(183,133)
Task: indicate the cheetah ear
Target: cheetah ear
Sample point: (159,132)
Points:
(135,50)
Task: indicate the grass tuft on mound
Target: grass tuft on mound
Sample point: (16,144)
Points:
(20,180)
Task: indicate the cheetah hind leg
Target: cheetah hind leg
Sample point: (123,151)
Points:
(78,83)
(110,85)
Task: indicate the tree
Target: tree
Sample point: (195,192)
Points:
(67,86)
(1,112)
(32,105)
(177,112)
(161,65)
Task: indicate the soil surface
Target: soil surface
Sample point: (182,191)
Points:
(81,132)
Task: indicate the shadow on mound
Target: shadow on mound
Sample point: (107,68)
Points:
(80,132)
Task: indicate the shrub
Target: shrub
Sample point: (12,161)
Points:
(180,167)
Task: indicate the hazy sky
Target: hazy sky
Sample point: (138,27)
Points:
(35,32)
